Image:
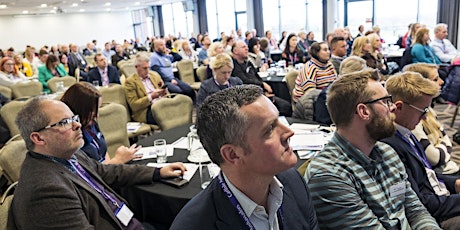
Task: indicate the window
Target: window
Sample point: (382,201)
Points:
(221,17)
(176,21)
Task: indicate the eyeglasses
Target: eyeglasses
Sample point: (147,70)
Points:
(423,111)
(66,123)
(388,100)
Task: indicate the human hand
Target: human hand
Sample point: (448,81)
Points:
(176,169)
(157,93)
(124,154)
(267,88)
(174,81)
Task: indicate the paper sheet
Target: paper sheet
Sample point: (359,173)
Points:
(133,126)
(315,140)
(149,152)
(181,143)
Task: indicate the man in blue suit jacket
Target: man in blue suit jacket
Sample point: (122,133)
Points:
(412,94)
(96,74)
(257,187)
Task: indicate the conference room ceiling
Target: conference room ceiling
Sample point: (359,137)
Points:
(44,7)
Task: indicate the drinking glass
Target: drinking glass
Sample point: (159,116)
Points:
(205,176)
(96,83)
(160,148)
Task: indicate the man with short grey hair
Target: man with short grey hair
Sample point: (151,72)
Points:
(442,47)
(257,187)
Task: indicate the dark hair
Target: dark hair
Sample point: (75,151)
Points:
(42,52)
(251,43)
(220,122)
(83,92)
(335,40)
(286,48)
(314,50)
(50,60)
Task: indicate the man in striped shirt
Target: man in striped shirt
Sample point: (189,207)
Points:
(357,181)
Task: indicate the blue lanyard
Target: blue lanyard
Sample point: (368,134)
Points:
(420,155)
(86,177)
(238,207)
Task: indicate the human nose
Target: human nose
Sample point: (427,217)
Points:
(76,125)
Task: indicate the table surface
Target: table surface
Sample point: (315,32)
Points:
(158,202)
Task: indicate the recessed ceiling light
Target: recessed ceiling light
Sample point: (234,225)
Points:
(2,6)
(82,10)
(53,11)
(55,8)
(25,12)
(137,3)
(75,5)
(43,5)
(108,4)
(108,9)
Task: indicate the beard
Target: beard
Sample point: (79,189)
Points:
(381,127)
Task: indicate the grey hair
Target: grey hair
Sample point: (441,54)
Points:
(31,118)
(220,121)
(141,57)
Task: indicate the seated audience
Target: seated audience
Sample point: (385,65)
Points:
(108,52)
(8,74)
(30,57)
(76,60)
(257,188)
(247,72)
(56,176)
(103,73)
(363,48)
(360,31)
(119,55)
(23,66)
(142,89)
(421,50)
(255,56)
(53,68)
(430,132)
(317,73)
(338,52)
(64,61)
(221,67)
(203,58)
(443,48)
(376,45)
(356,181)
(161,62)
(412,95)
(302,44)
(413,30)
(197,44)
(95,145)
(187,53)
(310,38)
(292,54)
(272,44)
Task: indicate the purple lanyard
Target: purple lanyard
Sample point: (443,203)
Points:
(293,60)
(86,177)
(421,156)
(239,209)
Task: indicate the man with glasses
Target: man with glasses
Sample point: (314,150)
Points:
(60,187)
(412,96)
(356,181)
(103,73)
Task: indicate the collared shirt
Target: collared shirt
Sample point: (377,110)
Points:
(438,186)
(257,213)
(149,87)
(352,190)
(104,76)
(162,63)
(444,49)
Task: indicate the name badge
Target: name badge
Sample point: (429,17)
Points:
(397,189)
(124,214)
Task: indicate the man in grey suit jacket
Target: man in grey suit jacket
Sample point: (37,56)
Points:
(240,130)
(61,187)
(103,73)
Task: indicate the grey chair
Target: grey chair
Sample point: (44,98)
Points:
(27,89)
(185,68)
(9,113)
(11,157)
(172,111)
(113,126)
(68,81)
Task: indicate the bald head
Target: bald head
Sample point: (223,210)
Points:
(240,51)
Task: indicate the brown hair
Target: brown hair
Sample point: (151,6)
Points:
(83,99)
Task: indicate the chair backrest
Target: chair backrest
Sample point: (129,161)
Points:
(6,91)
(128,69)
(5,204)
(406,59)
(9,113)
(172,111)
(115,94)
(68,81)
(305,106)
(113,126)
(27,89)
(90,60)
(185,68)
(290,80)
(77,75)
(202,73)
(11,157)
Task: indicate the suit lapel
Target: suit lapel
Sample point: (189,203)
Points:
(227,216)
(140,85)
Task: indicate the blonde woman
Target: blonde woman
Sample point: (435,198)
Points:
(376,44)
(430,132)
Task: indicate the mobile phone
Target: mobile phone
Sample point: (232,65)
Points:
(176,182)
(164,86)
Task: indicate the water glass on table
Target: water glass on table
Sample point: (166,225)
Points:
(160,148)
(205,176)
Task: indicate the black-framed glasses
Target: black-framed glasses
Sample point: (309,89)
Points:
(66,123)
(423,111)
(387,100)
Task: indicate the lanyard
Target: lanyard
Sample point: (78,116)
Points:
(421,156)
(86,177)
(293,60)
(238,207)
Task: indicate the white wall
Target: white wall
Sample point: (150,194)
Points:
(19,31)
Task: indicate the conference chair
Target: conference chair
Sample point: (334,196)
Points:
(116,94)
(27,89)
(9,113)
(113,126)
(305,106)
(6,91)
(5,204)
(90,60)
(67,80)
(12,155)
(172,110)
(290,80)
(128,69)
(202,73)
(185,68)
